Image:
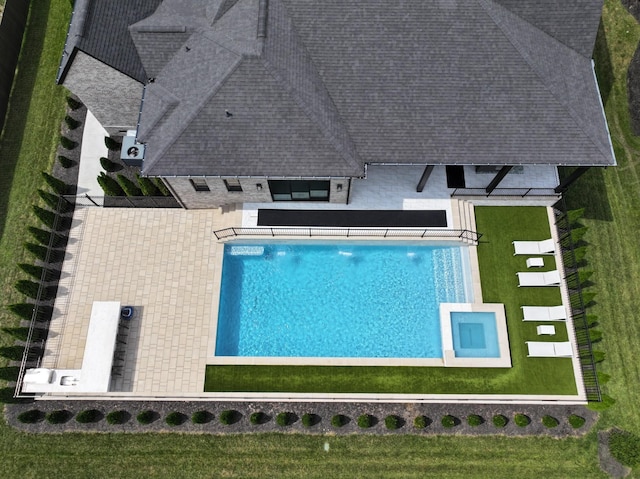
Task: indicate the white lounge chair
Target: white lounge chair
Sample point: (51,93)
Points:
(544,313)
(544,349)
(548,278)
(534,247)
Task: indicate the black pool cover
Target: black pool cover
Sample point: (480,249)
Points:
(354,218)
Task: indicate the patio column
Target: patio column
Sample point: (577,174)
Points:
(423,179)
(498,178)
(577,173)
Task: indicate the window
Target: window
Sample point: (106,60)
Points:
(199,184)
(285,190)
(233,184)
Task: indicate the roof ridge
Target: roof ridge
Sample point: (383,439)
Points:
(536,68)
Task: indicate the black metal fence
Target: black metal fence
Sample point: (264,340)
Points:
(578,306)
(12,26)
(124,201)
(508,192)
(467,235)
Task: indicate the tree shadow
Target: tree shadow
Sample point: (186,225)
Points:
(603,65)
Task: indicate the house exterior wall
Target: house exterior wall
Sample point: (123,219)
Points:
(113,97)
(218,194)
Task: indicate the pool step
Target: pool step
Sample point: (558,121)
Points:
(246,251)
(464,217)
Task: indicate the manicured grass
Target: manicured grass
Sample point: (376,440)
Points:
(500,226)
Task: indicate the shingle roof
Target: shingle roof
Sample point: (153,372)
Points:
(99,29)
(321,88)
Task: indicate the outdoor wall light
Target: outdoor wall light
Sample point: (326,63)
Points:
(259,186)
(339,187)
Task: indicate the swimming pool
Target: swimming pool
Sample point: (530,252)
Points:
(475,334)
(338,300)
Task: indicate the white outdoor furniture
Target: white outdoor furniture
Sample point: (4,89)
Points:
(548,278)
(549,330)
(544,313)
(534,247)
(535,262)
(544,349)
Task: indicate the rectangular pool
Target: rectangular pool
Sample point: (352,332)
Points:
(337,300)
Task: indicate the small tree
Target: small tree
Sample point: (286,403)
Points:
(47,217)
(117,417)
(257,418)
(365,421)
(22,310)
(50,199)
(39,251)
(112,144)
(67,143)
(420,422)
(65,162)
(200,417)
(550,421)
(28,288)
(574,215)
(392,422)
(12,353)
(41,236)
(31,416)
(500,421)
(71,122)
(32,270)
(283,419)
(72,102)
(578,233)
(147,186)
(109,185)
(88,416)
(227,417)
(146,417)
(58,417)
(56,184)
(109,165)
(576,421)
(162,187)
(174,418)
(338,420)
(448,421)
(308,420)
(129,187)
(474,420)
(521,420)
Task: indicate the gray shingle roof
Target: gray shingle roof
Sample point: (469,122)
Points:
(99,28)
(336,84)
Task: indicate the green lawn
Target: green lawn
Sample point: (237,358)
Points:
(611,197)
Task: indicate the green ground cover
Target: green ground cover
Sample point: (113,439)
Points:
(498,267)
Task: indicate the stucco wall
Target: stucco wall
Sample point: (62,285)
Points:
(218,194)
(114,98)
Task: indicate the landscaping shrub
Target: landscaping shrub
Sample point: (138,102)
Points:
(146,417)
(65,162)
(47,217)
(88,416)
(550,421)
(109,165)
(474,420)
(522,420)
(257,418)
(595,335)
(574,215)
(578,233)
(606,403)
(625,447)
(420,422)
(174,418)
(603,378)
(41,236)
(117,417)
(58,417)
(338,420)
(20,333)
(31,416)
(110,186)
(37,250)
(28,288)
(32,270)
(67,143)
(599,356)
(112,144)
(309,420)
(448,421)
(392,422)
(200,417)
(50,199)
(128,186)
(499,420)
(72,102)
(592,320)
(13,353)
(365,421)
(147,186)
(227,417)
(580,253)
(71,122)
(284,419)
(584,276)
(162,187)
(588,298)
(22,310)
(576,421)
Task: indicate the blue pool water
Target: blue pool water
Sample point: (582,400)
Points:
(475,335)
(337,300)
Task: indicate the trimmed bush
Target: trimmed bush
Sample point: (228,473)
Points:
(13,353)
(339,420)
(22,310)
(47,217)
(109,165)
(72,102)
(550,421)
(28,288)
(200,417)
(522,420)
(580,253)
(146,417)
(584,275)
(147,186)
(58,417)
(606,403)
(595,335)
(588,298)
(128,186)
(625,447)
(50,199)
(474,420)
(592,320)
(599,356)
(41,236)
(603,378)
(65,162)
(71,122)
(284,419)
(117,417)
(365,421)
(67,143)
(258,418)
(227,417)
(112,144)
(420,422)
(32,270)
(392,422)
(110,186)
(31,416)
(162,187)
(20,333)
(448,421)
(574,215)
(309,420)
(88,416)
(174,418)
(499,420)
(578,233)
(576,421)
(37,250)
